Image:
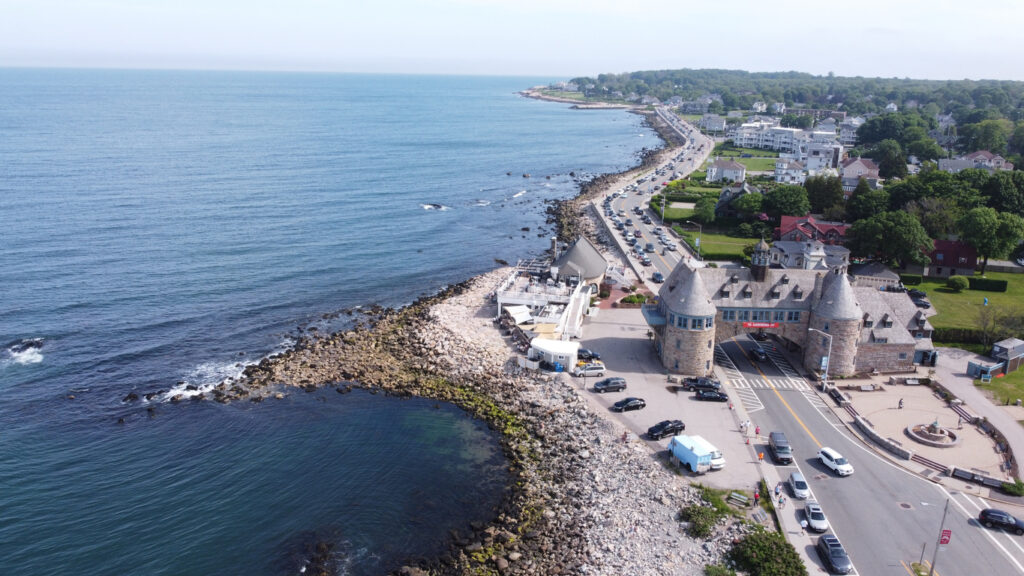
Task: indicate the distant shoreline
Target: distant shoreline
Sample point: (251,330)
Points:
(536,94)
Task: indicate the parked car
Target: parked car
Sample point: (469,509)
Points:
(759,354)
(645,260)
(815,517)
(665,428)
(657,277)
(922,303)
(670,247)
(701,384)
(610,385)
(587,354)
(835,461)
(760,336)
(832,553)
(627,404)
(991,518)
(915,293)
(798,486)
(589,369)
(712,396)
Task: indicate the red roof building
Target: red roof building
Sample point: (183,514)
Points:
(804,228)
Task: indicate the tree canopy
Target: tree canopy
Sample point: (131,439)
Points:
(895,238)
(993,234)
(788,200)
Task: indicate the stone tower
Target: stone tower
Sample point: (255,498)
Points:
(688,344)
(838,314)
(759,261)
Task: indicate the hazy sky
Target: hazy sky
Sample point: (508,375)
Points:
(562,38)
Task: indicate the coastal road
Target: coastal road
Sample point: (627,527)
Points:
(882,513)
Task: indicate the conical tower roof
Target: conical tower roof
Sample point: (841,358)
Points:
(685,294)
(762,246)
(583,257)
(838,301)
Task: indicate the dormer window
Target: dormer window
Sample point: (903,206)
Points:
(725,291)
(775,294)
(734,279)
(785,278)
(798,293)
(921,321)
(747,293)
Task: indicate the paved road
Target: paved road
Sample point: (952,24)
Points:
(882,513)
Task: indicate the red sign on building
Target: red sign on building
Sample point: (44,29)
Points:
(946,535)
(760,324)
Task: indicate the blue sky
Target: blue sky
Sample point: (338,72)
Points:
(938,39)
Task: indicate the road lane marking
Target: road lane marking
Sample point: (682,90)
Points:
(988,533)
(781,399)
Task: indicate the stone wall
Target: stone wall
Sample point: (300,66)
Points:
(693,355)
(845,334)
(884,357)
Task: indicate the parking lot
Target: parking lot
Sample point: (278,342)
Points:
(620,335)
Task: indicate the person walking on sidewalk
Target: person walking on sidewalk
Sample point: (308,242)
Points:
(900,407)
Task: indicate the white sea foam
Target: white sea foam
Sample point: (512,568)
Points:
(482,203)
(518,194)
(440,207)
(24,351)
(29,356)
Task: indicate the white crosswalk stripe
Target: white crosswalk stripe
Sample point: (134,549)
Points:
(761,383)
(814,399)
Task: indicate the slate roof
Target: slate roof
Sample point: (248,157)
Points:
(736,288)
(872,269)
(838,301)
(684,292)
(899,308)
(582,258)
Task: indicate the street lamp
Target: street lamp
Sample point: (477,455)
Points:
(828,358)
(700,232)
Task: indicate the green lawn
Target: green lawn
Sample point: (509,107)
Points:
(672,214)
(961,310)
(733,152)
(757,164)
(1008,388)
(716,246)
(560,94)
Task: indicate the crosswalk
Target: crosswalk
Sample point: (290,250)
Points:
(769,383)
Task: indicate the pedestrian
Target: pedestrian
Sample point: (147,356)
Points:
(778,489)
(782,502)
(760,456)
(625,436)
(901,404)
(959,422)
(746,426)
(757,497)
(757,431)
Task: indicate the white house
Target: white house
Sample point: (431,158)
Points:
(759,107)
(789,171)
(727,170)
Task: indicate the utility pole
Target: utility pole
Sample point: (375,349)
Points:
(935,555)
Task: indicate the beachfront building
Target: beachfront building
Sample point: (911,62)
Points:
(869,330)
(550,298)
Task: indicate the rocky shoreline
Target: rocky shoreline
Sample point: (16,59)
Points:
(582,500)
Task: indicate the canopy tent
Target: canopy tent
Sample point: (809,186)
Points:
(520,314)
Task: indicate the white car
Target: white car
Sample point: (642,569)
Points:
(835,461)
(815,517)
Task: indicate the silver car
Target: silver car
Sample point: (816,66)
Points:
(798,485)
(815,517)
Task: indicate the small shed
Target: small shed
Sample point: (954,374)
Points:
(1010,352)
(562,351)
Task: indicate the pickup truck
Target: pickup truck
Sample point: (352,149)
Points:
(690,384)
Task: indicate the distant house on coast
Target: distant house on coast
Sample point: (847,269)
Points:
(982,159)
(948,258)
(726,170)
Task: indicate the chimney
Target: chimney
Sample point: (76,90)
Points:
(554,248)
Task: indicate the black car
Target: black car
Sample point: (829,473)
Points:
(658,277)
(665,428)
(610,385)
(759,354)
(701,384)
(585,354)
(712,396)
(627,404)
(760,336)
(834,555)
(991,518)
(922,303)
(915,293)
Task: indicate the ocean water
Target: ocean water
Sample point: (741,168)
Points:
(162,229)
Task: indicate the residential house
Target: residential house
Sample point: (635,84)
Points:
(788,171)
(817,156)
(982,159)
(848,131)
(759,107)
(779,108)
(809,255)
(853,170)
(804,228)
(723,209)
(727,170)
(826,125)
(713,123)
(817,113)
(891,107)
(948,258)
(649,101)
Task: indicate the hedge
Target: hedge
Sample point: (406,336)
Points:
(954,335)
(987,284)
(910,279)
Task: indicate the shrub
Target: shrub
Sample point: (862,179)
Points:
(1014,488)
(634,299)
(764,553)
(701,518)
(910,279)
(604,294)
(958,283)
(987,284)
(717,570)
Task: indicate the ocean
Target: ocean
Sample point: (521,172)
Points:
(160,230)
